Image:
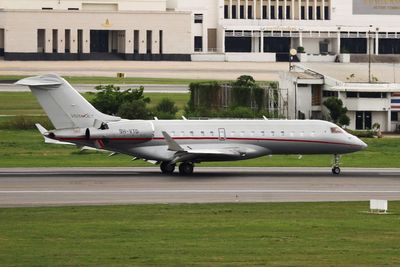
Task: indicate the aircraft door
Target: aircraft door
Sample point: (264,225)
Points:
(221,134)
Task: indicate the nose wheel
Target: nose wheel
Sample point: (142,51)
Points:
(167,168)
(336,163)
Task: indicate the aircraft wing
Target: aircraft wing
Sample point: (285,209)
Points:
(202,152)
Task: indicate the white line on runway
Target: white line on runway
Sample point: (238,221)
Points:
(194,191)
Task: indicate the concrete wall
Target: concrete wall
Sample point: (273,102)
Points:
(21,34)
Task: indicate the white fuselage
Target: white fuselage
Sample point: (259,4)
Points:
(253,138)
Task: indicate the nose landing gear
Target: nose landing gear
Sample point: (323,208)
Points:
(336,163)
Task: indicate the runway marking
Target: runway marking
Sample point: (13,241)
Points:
(151,191)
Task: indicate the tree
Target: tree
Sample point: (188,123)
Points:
(129,104)
(166,109)
(336,111)
(135,109)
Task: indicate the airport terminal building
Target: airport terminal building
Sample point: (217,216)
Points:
(217,30)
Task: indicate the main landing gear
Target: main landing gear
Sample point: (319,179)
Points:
(336,163)
(185,168)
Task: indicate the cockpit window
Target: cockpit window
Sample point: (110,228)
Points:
(336,130)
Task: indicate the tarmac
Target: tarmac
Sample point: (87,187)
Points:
(261,71)
(111,186)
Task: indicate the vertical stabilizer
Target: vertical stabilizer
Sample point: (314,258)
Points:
(64,106)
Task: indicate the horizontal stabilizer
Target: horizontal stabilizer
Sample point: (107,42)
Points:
(40,81)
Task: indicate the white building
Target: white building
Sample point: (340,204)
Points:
(367,103)
(233,30)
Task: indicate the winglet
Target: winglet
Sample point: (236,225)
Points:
(172,145)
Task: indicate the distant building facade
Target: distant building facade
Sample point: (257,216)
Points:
(229,30)
(367,103)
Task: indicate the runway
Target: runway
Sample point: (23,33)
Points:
(94,186)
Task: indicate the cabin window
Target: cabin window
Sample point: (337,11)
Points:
(282,133)
(172,133)
(211,133)
(182,133)
(242,133)
(262,133)
(336,130)
(233,133)
(302,133)
(272,133)
(313,133)
(202,133)
(252,133)
(292,134)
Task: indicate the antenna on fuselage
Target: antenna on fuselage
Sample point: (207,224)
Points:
(184,118)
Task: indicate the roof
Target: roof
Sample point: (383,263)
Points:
(367,87)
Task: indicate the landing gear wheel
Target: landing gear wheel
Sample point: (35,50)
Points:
(336,170)
(167,168)
(186,168)
(336,163)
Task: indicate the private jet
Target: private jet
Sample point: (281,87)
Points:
(181,142)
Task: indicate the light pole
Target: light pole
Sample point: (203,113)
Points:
(369,54)
(292,53)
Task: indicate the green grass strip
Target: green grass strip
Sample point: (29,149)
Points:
(280,234)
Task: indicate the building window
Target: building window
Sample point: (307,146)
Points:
(73,8)
(250,12)
(136,41)
(265,12)
(226,11)
(198,43)
(161,41)
(319,13)
(288,14)
(41,40)
(329,94)
(326,13)
(198,18)
(303,13)
(394,116)
(234,12)
(280,12)
(47,8)
(310,12)
(372,95)
(149,42)
(67,38)
(241,12)
(55,41)
(351,94)
(272,12)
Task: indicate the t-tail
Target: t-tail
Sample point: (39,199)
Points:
(64,106)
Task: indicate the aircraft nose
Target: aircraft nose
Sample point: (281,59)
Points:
(360,143)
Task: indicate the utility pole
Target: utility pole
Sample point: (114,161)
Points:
(369,54)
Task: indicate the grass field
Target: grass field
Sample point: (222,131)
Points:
(111,80)
(26,148)
(294,234)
